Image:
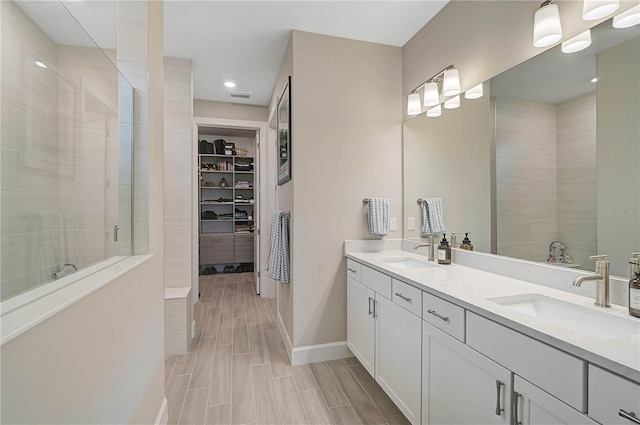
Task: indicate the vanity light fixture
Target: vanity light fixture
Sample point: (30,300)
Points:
(452,103)
(547,28)
(596,9)
(451,84)
(628,18)
(413,105)
(577,43)
(431,95)
(474,92)
(229,84)
(434,112)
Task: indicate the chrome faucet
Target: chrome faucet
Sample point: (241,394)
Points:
(602,278)
(429,243)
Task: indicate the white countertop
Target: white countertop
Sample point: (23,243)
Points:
(470,289)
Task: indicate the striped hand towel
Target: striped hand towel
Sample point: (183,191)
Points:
(378,216)
(278,252)
(432,216)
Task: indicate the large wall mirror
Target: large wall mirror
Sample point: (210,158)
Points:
(547,154)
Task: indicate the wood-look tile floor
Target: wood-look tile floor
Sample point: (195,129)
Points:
(237,372)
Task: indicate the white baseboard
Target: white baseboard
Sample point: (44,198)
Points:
(320,353)
(284,335)
(163,413)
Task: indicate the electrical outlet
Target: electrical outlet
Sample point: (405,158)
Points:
(411,223)
(392,223)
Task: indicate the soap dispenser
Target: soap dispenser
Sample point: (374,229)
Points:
(466,243)
(634,284)
(444,251)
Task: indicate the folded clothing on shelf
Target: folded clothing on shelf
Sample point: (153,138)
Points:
(209,215)
(244,166)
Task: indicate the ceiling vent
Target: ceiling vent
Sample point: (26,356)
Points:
(240,94)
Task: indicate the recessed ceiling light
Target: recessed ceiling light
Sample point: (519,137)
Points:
(229,84)
(594,80)
(40,64)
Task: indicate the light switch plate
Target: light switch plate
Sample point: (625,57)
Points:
(392,223)
(411,223)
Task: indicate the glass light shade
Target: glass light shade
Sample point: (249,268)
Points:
(474,92)
(627,18)
(577,43)
(413,105)
(547,29)
(434,112)
(431,96)
(595,9)
(451,85)
(452,103)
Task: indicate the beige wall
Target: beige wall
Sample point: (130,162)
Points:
(346,146)
(231,111)
(618,171)
(451,161)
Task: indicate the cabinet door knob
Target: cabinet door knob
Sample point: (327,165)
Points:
(499,385)
(398,294)
(630,416)
(445,318)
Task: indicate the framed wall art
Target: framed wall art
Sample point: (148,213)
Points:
(284,134)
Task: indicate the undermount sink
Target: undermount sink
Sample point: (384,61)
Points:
(567,316)
(405,263)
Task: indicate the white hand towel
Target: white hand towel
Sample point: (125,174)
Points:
(432,216)
(378,216)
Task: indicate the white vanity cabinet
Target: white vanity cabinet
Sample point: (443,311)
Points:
(460,385)
(532,406)
(385,336)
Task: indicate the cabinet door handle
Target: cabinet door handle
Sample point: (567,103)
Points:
(375,309)
(516,396)
(398,294)
(445,318)
(630,416)
(499,385)
(370,312)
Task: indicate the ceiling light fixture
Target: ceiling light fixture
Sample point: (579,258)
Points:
(547,28)
(577,43)
(40,64)
(627,18)
(452,103)
(594,80)
(413,105)
(434,112)
(431,95)
(474,92)
(229,84)
(596,9)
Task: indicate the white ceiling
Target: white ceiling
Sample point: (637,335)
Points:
(245,41)
(240,41)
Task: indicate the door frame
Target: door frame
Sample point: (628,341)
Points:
(261,128)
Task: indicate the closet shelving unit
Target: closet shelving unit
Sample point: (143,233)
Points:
(227,206)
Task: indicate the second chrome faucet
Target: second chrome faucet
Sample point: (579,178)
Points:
(431,256)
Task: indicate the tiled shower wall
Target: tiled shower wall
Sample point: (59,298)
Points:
(59,152)
(546,177)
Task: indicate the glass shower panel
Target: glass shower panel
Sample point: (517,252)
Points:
(66,150)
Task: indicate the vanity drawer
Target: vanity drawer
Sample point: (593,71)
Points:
(354,270)
(443,315)
(556,372)
(610,395)
(377,281)
(407,296)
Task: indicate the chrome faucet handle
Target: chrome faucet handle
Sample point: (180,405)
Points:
(599,258)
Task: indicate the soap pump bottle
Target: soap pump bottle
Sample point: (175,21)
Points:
(634,285)
(444,251)
(466,243)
